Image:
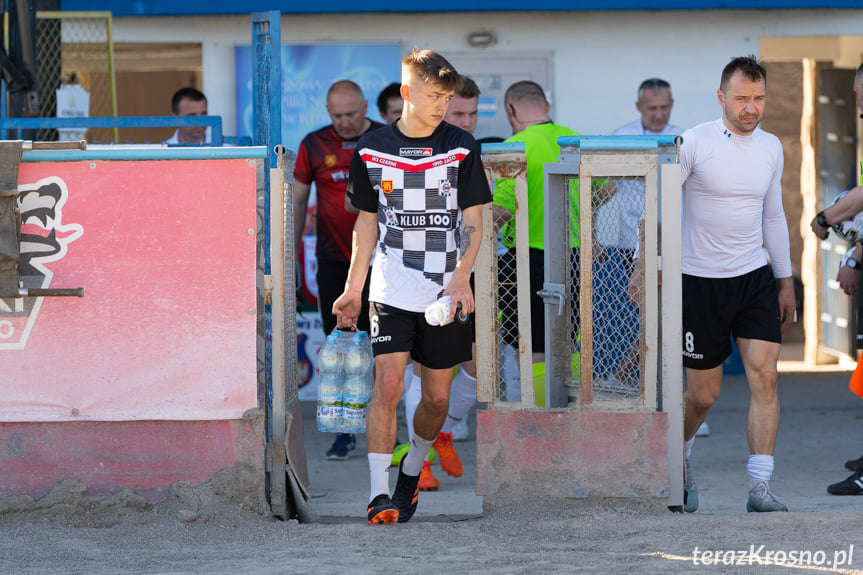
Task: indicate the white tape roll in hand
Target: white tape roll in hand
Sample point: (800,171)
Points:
(438,313)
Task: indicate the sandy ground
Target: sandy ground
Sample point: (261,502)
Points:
(205,529)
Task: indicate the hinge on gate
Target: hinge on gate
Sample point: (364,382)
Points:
(551,293)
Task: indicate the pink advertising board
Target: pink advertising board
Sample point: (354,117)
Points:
(165,252)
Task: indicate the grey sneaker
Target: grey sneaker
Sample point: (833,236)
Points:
(762,501)
(690,491)
(461,431)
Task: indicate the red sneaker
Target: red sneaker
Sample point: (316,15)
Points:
(449,460)
(427,480)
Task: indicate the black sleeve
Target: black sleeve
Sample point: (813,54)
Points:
(363,196)
(472,182)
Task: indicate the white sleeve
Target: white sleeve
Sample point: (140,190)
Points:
(687,155)
(774,226)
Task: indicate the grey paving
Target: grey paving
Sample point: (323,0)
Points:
(821,428)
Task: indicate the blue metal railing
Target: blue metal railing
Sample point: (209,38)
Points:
(144,153)
(213,122)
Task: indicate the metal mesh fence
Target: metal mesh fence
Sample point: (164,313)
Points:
(614,319)
(289,282)
(613,324)
(598,221)
(503,287)
(507,332)
(76,48)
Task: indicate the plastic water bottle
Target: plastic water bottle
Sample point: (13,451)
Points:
(330,371)
(355,405)
(356,358)
(357,386)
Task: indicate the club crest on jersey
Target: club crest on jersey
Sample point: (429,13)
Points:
(391,217)
(330,160)
(408,152)
(444,188)
(387,186)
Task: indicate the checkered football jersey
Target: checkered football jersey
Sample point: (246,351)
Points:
(418,187)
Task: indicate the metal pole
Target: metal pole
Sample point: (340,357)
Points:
(278,492)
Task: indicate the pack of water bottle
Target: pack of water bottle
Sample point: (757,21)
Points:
(345,382)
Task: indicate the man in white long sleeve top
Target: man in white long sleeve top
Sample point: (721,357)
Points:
(732,206)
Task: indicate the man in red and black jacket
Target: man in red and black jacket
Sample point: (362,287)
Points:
(324,158)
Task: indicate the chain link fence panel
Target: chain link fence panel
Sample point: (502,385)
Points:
(502,286)
(76,48)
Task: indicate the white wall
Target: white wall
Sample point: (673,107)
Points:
(599,57)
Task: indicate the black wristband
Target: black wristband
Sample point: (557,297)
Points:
(853,264)
(822,221)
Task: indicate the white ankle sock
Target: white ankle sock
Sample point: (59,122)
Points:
(379,473)
(760,468)
(687,447)
(412,464)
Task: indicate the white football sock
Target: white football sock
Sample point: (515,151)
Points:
(687,447)
(462,396)
(379,473)
(412,463)
(413,395)
(760,468)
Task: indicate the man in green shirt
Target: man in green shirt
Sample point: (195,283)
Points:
(527,111)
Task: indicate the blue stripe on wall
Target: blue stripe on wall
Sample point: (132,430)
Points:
(208,7)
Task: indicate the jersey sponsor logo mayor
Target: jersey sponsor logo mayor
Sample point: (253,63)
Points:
(410,152)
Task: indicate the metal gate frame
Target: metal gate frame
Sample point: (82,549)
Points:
(838,168)
(654,159)
(286,494)
(502,161)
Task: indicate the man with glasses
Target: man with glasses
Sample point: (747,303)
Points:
(617,233)
(654,104)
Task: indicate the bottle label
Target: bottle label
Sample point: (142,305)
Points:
(354,420)
(355,412)
(326,411)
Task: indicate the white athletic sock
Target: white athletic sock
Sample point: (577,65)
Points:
(412,464)
(687,446)
(462,396)
(379,473)
(413,395)
(760,468)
